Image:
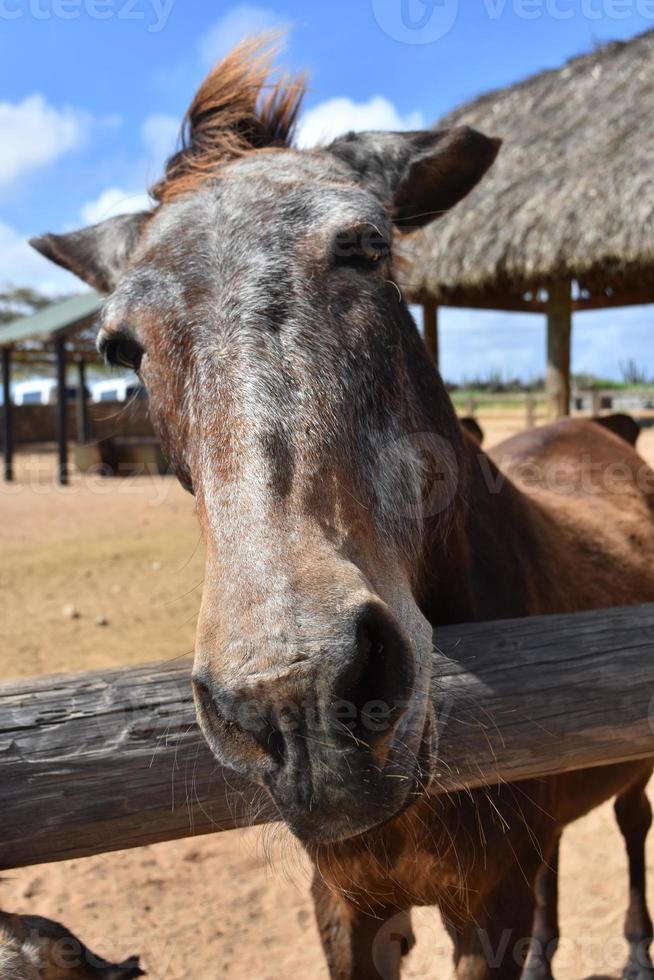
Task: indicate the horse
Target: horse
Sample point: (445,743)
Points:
(34,948)
(347,516)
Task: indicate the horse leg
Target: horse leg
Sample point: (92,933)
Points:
(360,945)
(634,816)
(545,933)
(492,943)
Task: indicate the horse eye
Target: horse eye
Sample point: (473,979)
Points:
(362,248)
(121,350)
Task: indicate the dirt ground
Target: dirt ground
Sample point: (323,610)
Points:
(127,557)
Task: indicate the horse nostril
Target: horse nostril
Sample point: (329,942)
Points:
(237,728)
(275,745)
(378,684)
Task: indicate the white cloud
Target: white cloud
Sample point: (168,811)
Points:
(35,133)
(20,265)
(327,120)
(241,21)
(113,201)
(159,134)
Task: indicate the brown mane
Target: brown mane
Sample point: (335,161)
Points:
(235,111)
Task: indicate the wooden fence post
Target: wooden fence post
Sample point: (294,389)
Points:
(82,404)
(7,422)
(62,409)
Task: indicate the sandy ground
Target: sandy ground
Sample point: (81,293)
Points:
(127,551)
(231,905)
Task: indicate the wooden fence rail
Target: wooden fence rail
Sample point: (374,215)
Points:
(103,760)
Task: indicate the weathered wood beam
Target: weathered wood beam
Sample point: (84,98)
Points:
(479,301)
(604,301)
(516,304)
(112,759)
(559,330)
(430,329)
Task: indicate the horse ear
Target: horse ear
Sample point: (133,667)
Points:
(97,254)
(421,174)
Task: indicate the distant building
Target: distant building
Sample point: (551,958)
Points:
(116,390)
(40,391)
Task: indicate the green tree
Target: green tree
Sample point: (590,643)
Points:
(21,301)
(633,373)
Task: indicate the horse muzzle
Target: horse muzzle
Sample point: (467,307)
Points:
(333,730)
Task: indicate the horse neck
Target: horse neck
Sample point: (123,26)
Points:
(498,557)
(498,560)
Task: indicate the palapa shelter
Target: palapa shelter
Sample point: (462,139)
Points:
(564,220)
(54,335)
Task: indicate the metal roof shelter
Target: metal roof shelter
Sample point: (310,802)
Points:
(51,336)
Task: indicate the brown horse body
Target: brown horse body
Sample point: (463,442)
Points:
(572,530)
(296,400)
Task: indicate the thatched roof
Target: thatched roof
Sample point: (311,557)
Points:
(571,193)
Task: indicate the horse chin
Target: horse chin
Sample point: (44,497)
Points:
(318,829)
(317,834)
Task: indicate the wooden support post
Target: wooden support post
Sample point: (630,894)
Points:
(104,760)
(62,410)
(595,402)
(531,412)
(430,329)
(82,404)
(559,329)
(7,426)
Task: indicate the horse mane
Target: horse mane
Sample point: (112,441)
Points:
(235,111)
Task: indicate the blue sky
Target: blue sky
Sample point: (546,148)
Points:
(91,93)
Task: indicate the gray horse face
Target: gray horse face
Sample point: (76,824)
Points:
(286,380)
